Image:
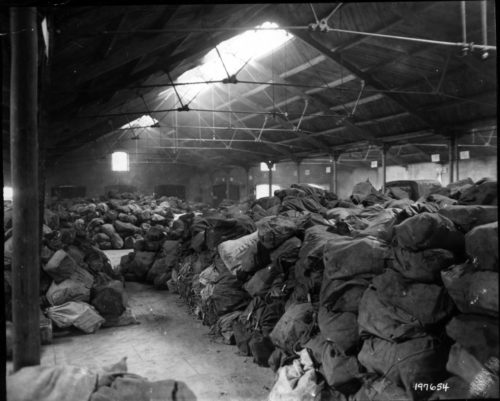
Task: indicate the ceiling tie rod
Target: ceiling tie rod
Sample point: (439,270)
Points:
(322,25)
(302,116)
(357,100)
(261,130)
(183,107)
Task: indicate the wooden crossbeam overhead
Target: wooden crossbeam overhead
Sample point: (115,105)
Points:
(286,124)
(309,39)
(278,149)
(110,41)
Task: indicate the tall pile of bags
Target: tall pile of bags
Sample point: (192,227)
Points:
(374,295)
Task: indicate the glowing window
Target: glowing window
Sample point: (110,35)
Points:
(119,161)
(234,52)
(262,190)
(264,167)
(7,193)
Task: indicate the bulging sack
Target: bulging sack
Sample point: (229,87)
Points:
(274,230)
(429,230)
(482,379)
(66,291)
(78,314)
(297,381)
(60,266)
(343,295)
(337,368)
(49,383)
(419,360)
(348,257)
(477,334)
(382,226)
(472,291)
(481,244)
(228,294)
(386,321)
(340,328)
(428,303)
(423,266)
(261,281)
(239,254)
(466,217)
(380,389)
(294,327)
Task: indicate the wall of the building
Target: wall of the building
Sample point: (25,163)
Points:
(286,173)
(95,175)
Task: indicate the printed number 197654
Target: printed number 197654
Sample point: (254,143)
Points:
(431,387)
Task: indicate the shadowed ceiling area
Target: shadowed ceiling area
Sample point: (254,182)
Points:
(350,78)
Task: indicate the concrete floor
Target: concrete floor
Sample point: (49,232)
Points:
(169,343)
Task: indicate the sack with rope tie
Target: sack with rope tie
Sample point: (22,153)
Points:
(294,327)
(419,360)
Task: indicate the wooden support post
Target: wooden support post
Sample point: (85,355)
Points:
(385,149)
(457,160)
(44,100)
(334,158)
(227,184)
(270,165)
(247,181)
(452,151)
(297,163)
(24,161)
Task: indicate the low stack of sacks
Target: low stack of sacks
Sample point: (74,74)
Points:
(85,291)
(152,260)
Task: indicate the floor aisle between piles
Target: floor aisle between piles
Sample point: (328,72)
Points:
(169,343)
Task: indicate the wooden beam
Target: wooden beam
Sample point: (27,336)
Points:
(278,149)
(110,40)
(24,159)
(367,77)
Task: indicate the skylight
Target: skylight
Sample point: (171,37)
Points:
(144,121)
(234,52)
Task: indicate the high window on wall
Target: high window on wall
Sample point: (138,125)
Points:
(119,161)
(262,190)
(7,193)
(264,167)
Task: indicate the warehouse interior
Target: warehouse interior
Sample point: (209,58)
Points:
(250,201)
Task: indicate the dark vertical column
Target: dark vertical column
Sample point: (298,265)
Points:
(247,180)
(270,177)
(24,159)
(334,158)
(452,145)
(227,183)
(43,129)
(385,149)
